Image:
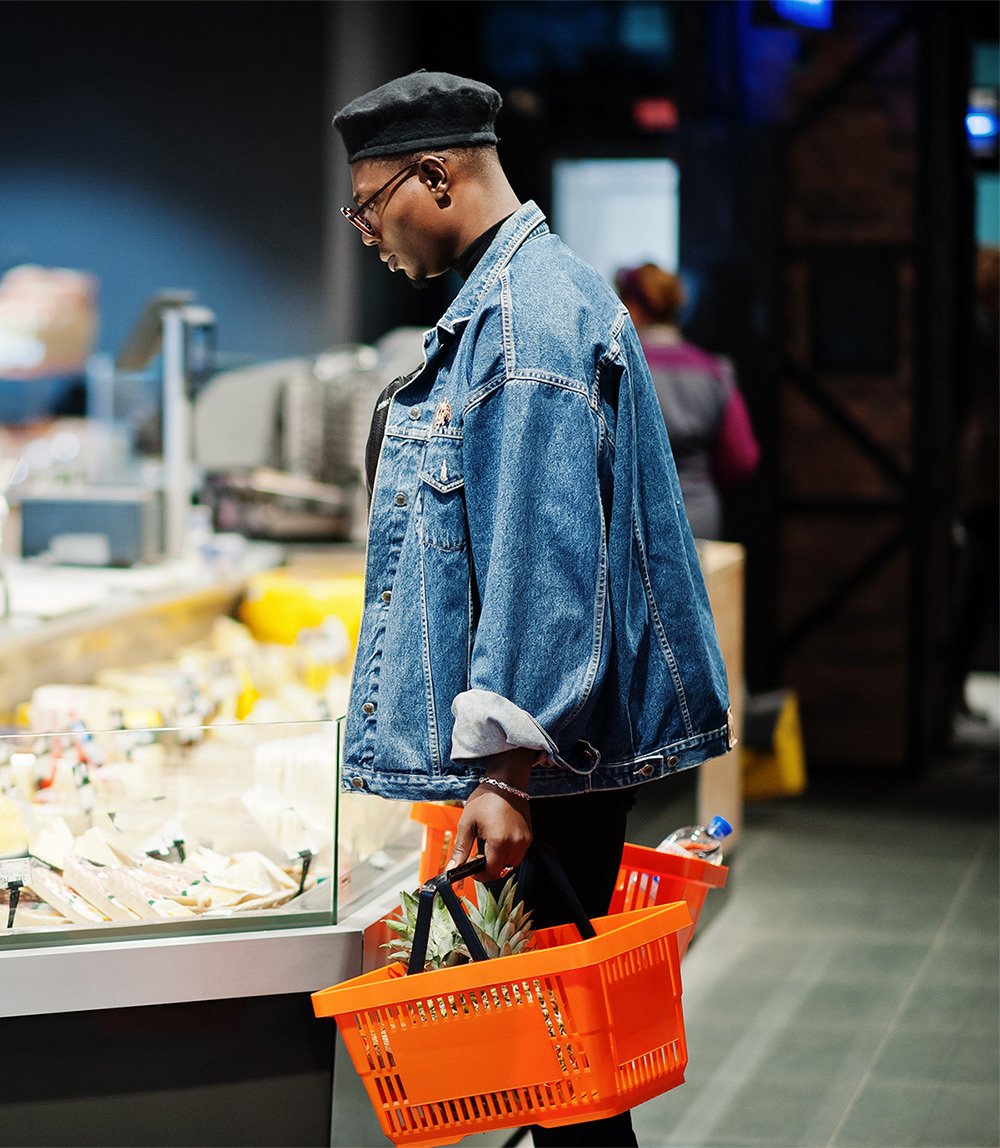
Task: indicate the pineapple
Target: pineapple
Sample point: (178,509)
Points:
(503,926)
(445,946)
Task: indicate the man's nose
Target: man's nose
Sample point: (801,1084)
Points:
(369,240)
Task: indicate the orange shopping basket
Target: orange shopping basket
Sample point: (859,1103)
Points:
(578,1028)
(646,877)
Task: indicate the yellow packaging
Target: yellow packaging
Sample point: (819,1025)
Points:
(779,771)
(279,604)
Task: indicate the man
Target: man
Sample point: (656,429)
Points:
(536,637)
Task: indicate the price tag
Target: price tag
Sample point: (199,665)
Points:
(14,869)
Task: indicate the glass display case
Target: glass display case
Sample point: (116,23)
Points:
(178,868)
(199,829)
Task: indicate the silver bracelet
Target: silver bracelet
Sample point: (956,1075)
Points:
(505,787)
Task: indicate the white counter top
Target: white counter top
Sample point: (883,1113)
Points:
(39,591)
(67,623)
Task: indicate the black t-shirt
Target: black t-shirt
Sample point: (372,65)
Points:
(465,264)
(377,431)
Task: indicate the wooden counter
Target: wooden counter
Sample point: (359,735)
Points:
(720,782)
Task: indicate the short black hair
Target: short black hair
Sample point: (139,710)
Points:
(474,158)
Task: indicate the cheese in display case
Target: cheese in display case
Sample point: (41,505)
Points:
(131,827)
(198,829)
(196,792)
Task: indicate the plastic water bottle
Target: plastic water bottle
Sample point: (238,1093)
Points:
(701,841)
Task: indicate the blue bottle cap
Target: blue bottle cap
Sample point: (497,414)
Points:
(719,827)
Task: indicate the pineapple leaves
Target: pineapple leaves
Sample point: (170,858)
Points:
(503,926)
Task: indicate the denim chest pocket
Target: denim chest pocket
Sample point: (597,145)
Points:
(442,485)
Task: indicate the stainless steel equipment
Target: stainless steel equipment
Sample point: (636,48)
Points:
(167,322)
(281,445)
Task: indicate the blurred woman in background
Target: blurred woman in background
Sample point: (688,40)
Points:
(706,417)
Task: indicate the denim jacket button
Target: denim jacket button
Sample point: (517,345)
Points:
(672,759)
(386,595)
(368,708)
(647,771)
(414,413)
(400,498)
(357,783)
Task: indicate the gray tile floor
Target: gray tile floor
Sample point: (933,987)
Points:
(843,993)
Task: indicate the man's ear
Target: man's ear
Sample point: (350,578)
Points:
(434,173)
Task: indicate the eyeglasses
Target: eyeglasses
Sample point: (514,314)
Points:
(357,214)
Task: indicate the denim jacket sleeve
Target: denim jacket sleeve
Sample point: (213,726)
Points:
(533,454)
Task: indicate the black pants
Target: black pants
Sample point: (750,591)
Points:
(586,831)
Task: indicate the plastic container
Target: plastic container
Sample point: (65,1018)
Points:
(648,877)
(563,1033)
(279,604)
(701,841)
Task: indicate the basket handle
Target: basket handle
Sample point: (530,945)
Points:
(428,891)
(441,884)
(526,874)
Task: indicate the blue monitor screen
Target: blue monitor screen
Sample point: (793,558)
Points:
(808,13)
(981,125)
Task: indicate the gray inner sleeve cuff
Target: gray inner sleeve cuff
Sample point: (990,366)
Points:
(486,723)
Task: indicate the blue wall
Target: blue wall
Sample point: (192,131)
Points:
(138,240)
(988,209)
(171,145)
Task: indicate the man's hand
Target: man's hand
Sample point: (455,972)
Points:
(497,817)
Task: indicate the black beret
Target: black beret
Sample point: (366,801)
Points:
(421,110)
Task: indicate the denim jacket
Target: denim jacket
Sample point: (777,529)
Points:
(531,579)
